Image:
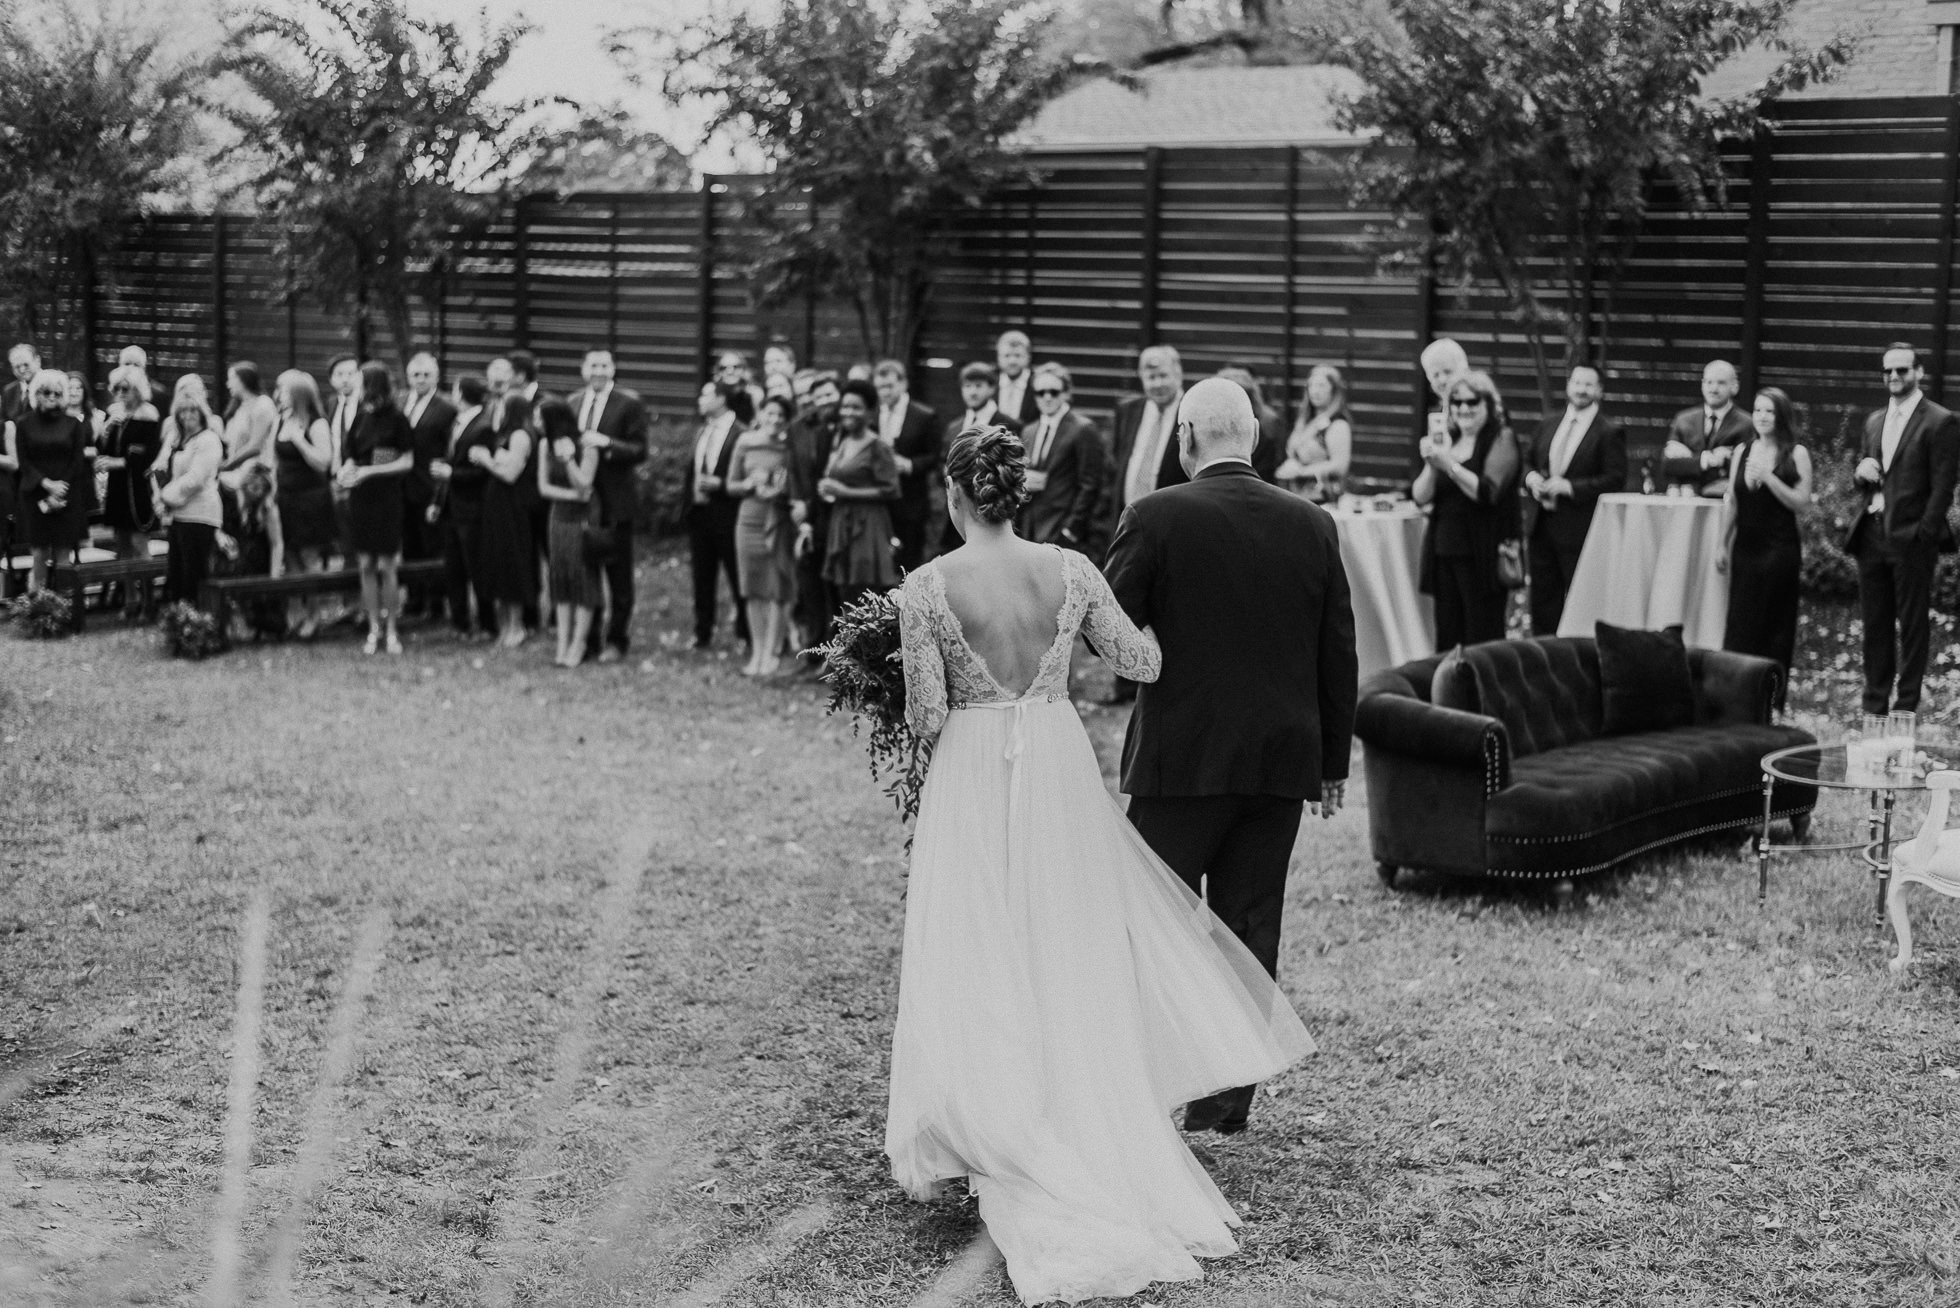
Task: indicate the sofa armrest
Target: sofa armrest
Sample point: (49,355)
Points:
(1733,688)
(1402,724)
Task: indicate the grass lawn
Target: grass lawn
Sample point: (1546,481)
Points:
(575,989)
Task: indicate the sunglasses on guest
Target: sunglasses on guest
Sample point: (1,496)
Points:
(1466,401)
(1049,391)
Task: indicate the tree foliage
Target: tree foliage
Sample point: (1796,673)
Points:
(95,123)
(1518,135)
(382,147)
(880,118)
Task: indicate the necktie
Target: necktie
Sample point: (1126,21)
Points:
(1562,444)
(1042,437)
(589,420)
(1895,427)
(1150,454)
(497,415)
(1708,429)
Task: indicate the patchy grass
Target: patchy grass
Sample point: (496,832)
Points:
(627,1038)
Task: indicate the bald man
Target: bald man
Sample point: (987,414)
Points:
(1253,716)
(1704,437)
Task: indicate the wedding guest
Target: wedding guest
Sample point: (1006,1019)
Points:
(759,476)
(859,371)
(302,488)
(859,484)
(134,356)
(1065,469)
(505,554)
(1705,436)
(249,545)
(979,385)
(1769,480)
(1321,448)
(1579,456)
(15,400)
(1469,483)
(1014,397)
(79,408)
(128,446)
(811,439)
(1143,439)
(1911,457)
(188,500)
(430,420)
(251,416)
(374,463)
(732,368)
(521,405)
(566,472)
(712,511)
(51,448)
(800,385)
(1271,447)
(912,431)
(613,421)
(1443,361)
(344,385)
(778,362)
(460,484)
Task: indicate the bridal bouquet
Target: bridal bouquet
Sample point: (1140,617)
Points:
(867,680)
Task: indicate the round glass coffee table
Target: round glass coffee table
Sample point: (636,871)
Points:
(1833,767)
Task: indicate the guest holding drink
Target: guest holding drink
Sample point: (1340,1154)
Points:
(504,550)
(1769,484)
(565,477)
(302,457)
(1469,480)
(1322,444)
(374,461)
(129,443)
(764,534)
(188,498)
(859,485)
(51,448)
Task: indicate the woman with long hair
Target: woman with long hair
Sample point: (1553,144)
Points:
(1769,484)
(1321,447)
(566,473)
(759,476)
(131,436)
(503,548)
(859,484)
(374,459)
(187,498)
(1470,481)
(302,461)
(251,417)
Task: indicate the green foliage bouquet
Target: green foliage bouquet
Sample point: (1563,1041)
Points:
(863,665)
(189,632)
(43,614)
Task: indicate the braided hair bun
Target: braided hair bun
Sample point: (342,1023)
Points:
(991,466)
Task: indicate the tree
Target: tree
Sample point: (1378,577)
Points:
(95,122)
(881,118)
(1516,134)
(382,148)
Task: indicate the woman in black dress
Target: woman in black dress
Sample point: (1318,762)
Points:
(302,492)
(503,544)
(1470,481)
(374,459)
(129,443)
(51,448)
(1769,484)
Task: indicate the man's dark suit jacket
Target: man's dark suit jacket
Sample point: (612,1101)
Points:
(918,440)
(1244,586)
(812,438)
(720,509)
(463,503)
(1598,467)
(430,441)
(624,419)
(1067,510)
(1688,428)
(1918,486)
(13,401)
(1123,442)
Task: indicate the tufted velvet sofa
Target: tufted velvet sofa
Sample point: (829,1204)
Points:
(1529,787)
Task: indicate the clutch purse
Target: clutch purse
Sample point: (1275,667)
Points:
(1510,564)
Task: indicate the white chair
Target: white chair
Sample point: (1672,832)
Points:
(1932,858)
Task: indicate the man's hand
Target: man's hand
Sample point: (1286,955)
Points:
(1869,472)
(1679,450)
(1332,795)
(595,440)
(904,465)
(1718,457)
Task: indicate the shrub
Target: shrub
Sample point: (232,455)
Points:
(42,614)
(663,477)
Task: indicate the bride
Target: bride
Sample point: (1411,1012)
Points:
(1061,990)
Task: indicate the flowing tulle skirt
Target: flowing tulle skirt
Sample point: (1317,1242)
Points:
(1061,992)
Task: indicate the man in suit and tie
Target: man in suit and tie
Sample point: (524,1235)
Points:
(431,420)
(25,361)
(1065,460)
(1143,450)
(612,420)
(1252,718)
(460,484)
(711,511)
(979,389)
(1705,436)
(1907,472)
(1578,457)
(1014,393)
(912,431)
(812,438)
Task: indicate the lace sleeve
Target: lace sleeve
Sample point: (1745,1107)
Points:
(925,670)
(1129,652)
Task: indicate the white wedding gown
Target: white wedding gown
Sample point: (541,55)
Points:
(1061,991)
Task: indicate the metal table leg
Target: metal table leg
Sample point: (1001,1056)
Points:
(1884,868)
(1762,843)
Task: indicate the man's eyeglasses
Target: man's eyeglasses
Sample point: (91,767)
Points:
(1050,392)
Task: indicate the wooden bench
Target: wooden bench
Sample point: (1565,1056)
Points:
(76,578)
(220,593)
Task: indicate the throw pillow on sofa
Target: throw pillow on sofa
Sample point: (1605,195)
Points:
(1454,685)
(1644,681)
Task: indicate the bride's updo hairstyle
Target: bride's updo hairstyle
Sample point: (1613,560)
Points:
(991,466)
